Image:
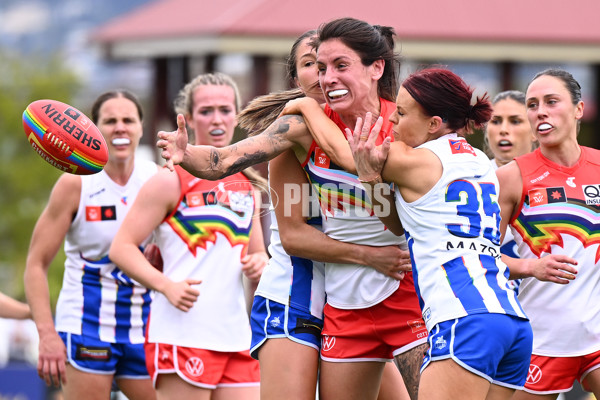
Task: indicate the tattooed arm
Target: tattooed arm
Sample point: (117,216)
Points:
(208,162)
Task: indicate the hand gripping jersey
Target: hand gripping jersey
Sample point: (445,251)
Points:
(348,217)
(559,213)
(293,281)
(205,238)
(97,299)
(453,237)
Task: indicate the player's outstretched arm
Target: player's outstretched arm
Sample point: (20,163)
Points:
(214,163)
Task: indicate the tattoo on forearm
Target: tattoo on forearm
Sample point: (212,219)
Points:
(255,149)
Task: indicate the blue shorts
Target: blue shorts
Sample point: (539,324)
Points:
(270,319)
(496,347)
(123,360)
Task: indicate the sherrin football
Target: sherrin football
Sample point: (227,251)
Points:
(65,137)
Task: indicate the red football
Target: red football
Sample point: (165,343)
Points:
(65,137)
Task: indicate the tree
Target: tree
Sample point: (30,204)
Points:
(25,179)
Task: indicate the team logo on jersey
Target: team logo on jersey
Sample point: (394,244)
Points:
(592,194)
(461,146)
(534,374)
(194,366)
(275,322)
(321,159)
(100,213)
(328,342)
(541,196)
(440,343)
(570,181)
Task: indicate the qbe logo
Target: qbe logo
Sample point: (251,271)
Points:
(592,194)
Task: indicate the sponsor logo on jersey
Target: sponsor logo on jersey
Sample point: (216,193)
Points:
(534,374)
(541,196)
(461,146)
(328,342)
(570,181)
(89,353)
(306,326)
(541,177)
(100,213)
(321,159)
(416,325)
(194,366)
(592,194)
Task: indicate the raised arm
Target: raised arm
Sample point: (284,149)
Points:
(156,199)
(214,163)
(289,187)
(326,133)
(48,235)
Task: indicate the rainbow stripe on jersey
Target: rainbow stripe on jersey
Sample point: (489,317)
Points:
(543,225)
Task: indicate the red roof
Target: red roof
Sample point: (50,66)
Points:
(547,21)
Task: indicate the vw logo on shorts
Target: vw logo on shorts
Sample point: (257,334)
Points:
(194,366)
(328,342)
(534,375)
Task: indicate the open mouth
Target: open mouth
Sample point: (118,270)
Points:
(121,141)
(216,132)
(504,143)
(544,127)
(336,94)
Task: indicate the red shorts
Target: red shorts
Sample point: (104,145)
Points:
(377,333)
(557,374)
(203,368)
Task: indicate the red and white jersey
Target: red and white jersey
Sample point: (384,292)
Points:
(205,238)
(559,213)
(348,217)
(97,299)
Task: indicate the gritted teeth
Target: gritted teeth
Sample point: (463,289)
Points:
(216,132)
(337,93)
(120,141)
(544,127)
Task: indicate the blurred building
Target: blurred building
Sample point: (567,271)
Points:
(494,45)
